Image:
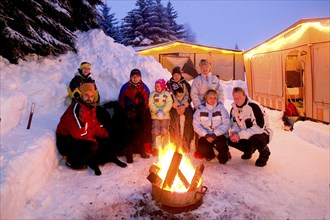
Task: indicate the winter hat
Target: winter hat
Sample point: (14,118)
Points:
(135,72)
(87,87)
(177,69)
(162,82)
(85,65)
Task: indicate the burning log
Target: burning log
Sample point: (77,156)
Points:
(183,179)
(154,169)
(195,180)
(155,179)
(172,170)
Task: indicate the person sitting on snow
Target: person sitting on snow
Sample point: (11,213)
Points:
(160,104)
(133,101)
(80,136)
(82,76)
(211,122)
(249,127)
(203,82)
(180,90)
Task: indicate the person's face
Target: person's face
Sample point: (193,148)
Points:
(135,79)
(176,77)
(211,99)
(85,71)
(205,69)
(239,98)
(88,97)
(158,87)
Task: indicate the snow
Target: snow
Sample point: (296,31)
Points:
(35,184)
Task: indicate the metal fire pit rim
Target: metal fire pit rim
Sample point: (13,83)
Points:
(199,192)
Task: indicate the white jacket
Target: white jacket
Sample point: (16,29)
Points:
(211,119)
(249,119)
(200,86)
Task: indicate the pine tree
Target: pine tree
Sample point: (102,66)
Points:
(43,27)
(109,24)
(176,31)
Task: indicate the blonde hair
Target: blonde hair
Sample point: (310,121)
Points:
(239,89)
(203,62)
(210,92)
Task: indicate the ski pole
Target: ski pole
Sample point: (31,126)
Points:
(31,115)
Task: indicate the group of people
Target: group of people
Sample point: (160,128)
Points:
(174,111)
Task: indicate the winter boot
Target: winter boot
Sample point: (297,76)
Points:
(147,148)
(263,157)
(144,155)
(75,166)
(96,169)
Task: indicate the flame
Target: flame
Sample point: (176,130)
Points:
(165,157)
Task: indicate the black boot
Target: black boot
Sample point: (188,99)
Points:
(263,157)
(96,169)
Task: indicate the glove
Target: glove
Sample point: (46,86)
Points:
(160,114)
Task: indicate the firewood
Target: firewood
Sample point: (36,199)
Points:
(183,179)
(154,169)
(172,170)
(195,180)
(155,179)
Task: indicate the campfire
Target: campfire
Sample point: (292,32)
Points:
(176,184)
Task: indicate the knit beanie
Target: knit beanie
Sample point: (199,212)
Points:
(135,72)
(177,69)
(162,82)
(85,65)
(87,87)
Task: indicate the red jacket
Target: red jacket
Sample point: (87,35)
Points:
(80,122)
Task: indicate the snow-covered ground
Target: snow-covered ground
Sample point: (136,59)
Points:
(36,185)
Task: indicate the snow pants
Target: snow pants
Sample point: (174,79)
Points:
(255,142)
(175,127)
(206,148)
(78,152)
(160,128)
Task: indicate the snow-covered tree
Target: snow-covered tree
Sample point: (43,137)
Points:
(43,27)
(176,30)
(109,23)
(151,23)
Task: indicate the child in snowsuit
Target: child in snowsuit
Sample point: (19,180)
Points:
(133,102)
(160,104)
(82,76)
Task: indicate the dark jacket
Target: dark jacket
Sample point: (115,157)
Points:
(180,92)
(134,95)
(78,80)
(80,122)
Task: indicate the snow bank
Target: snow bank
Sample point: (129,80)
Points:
(26,174)
(315,133)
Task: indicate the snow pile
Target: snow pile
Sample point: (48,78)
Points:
(315,133)
(45,81)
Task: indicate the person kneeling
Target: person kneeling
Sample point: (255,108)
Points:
(80,136)
(211,122)
(249,127)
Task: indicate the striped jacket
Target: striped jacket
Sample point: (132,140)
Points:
(209,119)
